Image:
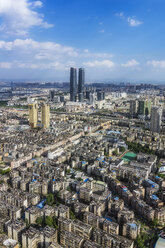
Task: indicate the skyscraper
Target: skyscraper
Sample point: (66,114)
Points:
(81,80)
(133,107)
(144,107)
(33,115)
(51,95)
(73,84)
(45,115)
(100,95)
(156,119)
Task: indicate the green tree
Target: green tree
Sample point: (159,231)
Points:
(115,153)
(68,171)
(4,172)
(69,189)
(27,223)
(40,221)
(72,215)
(122,149)
(50,199)
(49,221)
(55,223)
(155,222)
(140,241)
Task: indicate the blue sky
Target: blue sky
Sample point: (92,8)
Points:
(114,40)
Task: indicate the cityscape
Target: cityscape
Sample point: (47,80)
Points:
(82,131)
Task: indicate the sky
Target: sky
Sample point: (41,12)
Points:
(114,40)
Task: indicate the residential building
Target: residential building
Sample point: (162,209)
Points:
(144,107)
(45,115)
(30,238)
(156,119)
(33,115)
(133,107)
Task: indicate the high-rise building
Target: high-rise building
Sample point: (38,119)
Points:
(144,107)
(163,107)
(62,99)
(33,115)
(100,95)
(155,101)
(73,84)
(87,94)
(81,82)
(92,98)
(133,107)
(156,119)
(45,115)
(51,95)
(80,97)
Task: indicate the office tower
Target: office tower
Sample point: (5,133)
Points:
(156,119)
(45,115)
(87,94)
(100,95)
(51,95)
(92,98)
(133,107)
(81,82)
(81,97)
(163,107)
(62,99)
(73,84)
(33,114)
(144,107)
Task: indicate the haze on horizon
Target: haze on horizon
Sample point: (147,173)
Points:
(112,39)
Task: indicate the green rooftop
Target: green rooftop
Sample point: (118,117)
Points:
(129,156)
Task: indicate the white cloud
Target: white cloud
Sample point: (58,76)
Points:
(121,15)
(103,63)
(44,48)
(133,22)
(157,63)
(19,16)
(36,4)
(31,55)
(88,54)
(49,50)
(102,31)
(41,66)
(130,63)
(5,65)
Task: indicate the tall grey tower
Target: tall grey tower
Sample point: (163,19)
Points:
(73,84)
(156,119)
(133,108)
(81,82)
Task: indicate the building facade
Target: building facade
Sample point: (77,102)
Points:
(33,115)
(156,119)
(133,107)
(144,107)
(73,84)
(45,115)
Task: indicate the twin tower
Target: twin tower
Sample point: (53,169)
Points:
(77,90)
(33,115)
